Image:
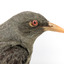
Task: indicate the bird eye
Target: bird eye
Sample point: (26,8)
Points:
(34,22)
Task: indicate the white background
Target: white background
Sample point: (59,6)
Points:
(49,47)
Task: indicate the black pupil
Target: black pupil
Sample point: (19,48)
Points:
(34,22)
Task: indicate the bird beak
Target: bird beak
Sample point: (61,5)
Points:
(53,27)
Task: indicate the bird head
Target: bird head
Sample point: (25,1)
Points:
(33,24)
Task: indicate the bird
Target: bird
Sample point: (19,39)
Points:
(17,36)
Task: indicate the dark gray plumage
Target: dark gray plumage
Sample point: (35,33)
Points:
(17,37)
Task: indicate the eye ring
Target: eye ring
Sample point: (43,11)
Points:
(34,22)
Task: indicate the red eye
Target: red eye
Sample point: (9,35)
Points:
(35,23)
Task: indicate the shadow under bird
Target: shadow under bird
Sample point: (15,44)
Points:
(18,34)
